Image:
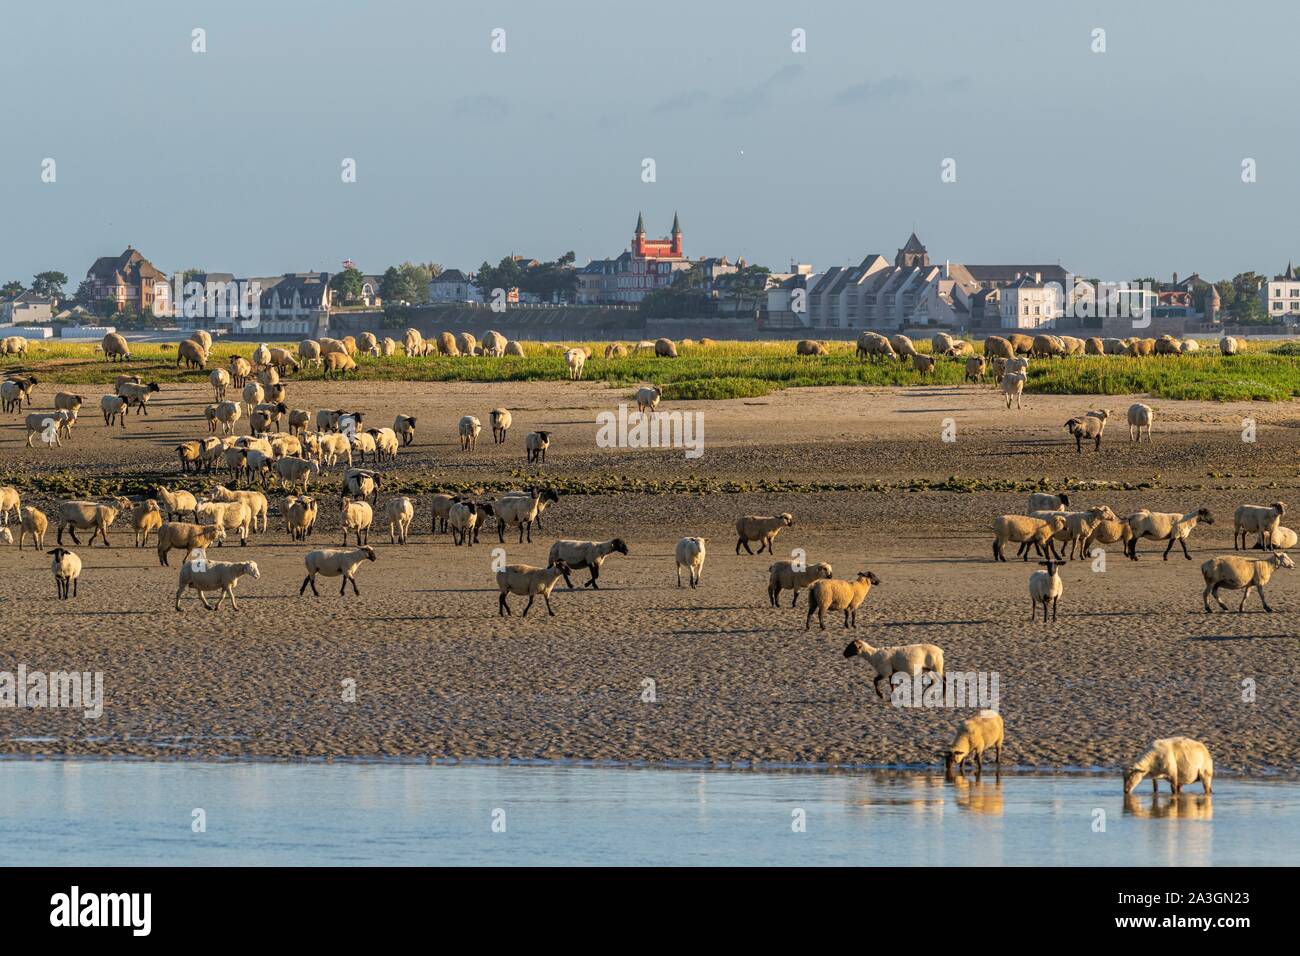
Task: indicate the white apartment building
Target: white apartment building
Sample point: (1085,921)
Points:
(1029,303)
(1281,294)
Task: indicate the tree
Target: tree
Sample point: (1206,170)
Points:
(49,284)
(85,294)
(407,283)
(191,272)
(11,289)
(347,285)
(746,287)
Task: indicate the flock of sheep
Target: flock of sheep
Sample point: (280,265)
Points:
(287,448)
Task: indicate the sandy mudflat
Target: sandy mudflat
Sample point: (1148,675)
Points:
(438,674)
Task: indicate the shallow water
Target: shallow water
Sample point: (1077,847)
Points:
(127,813)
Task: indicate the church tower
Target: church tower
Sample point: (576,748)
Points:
(912,254)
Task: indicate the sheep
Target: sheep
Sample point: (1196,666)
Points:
(309,352)
(1089,427)
(34,523)
(974,736)
(523,579)
(903,346)
(447,344)
(664,348)
(1093,345)
(469,428)
(334,446)
(261,356)
(832,595)
(1228,345)
(1180,760)
(439,506)
(960,348)
(466,342)
(1040,501)
(535,445)
(575,359)
(910,659)
(404,427)
(788,576)
(300,513)
(1078,527)
(995,346)
(398,515)
(690,554)
(1045,586)
(357,517)
(514,348)
(1188,345)
(9,501)
(15,391)
(1165,526)
(999,369)
(69,402)
(615,350)
(257,504)
(1025,531)
(13,345)
(809,347)
(328,421)
(585,554)
(521,510)
(1260,520)
(88,515)
(176,502)
(298,419)
(647,398)
(494,343)
(1283,539)
(924,364)
(940,342)
(67,569)
(269,379)
(465,518)
(1167,345)
(1012,386)
(975,368)
(385,443)
(337,364)
(227,413)
(38,423)
(214,576)
(1139,415)
(203,337)
(359,483)
(113,407)
(187,537)
(115,348)
(1141,348)
(388,346)
(363,443)
(760,528)
(1234,573)
(333,563)
(870,346)
(146,519)
(543,501)
(228,515)
(254,394)
(192,354)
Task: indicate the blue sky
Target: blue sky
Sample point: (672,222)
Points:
(1117,164)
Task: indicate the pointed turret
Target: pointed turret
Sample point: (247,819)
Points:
(677,226)
(640,225)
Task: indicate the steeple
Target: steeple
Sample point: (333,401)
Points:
(1290,272)
(640,225)
(677,226)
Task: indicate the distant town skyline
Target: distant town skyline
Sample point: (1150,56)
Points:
(1117,164)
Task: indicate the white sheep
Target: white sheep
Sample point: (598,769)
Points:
(469,429)
(975,735)
(1012,386)
(220,576)
(690,553)
(585,554)
(67,569)
(501,420)
(113,407)
(576,359)
(466,520)
(535,445)
(1234,573)
(647,398)
(1180,760)
(9,501)
(833,595)
(1258,519)
(333,562)
(1047,502)
(760,528)
(357,518)
(792,576)
(398,515)
(404,427)
(1165,526)
(1045,586)
(524,579)
(911,659)
(1139,416)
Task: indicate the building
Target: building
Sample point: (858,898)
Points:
(1281,295)
(26,308)
(1030,303)
(122,282)
(452,285)
(649,265)
(370,294)
(296,303)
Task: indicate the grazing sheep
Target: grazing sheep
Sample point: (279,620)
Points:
(995,346)
(1012,386)
(115,348)
(515,348)
(975,368)
(760,528)
(1139,416)
(1167,345)
(577,555)
(501,421)
(1045,586)
(903,346)
(335,562)
(9,501)
(1094,346)
(1235,573)
(1025,531)
(337,364)
(494,343)
(469,429)
(1089,427)
(924,364)
(13,345)
(974,736)
(664,348)
(183,536)
(1188,345)
(1228,345)
(300,513)
(398,515)
(874,346)
(220,576)
(1165,526)
(785,576)
(832,595)
(192,354)
(690,554)
(575,359)
(810,347)
(357,517)
(1259,520)
(524,579)
(67,569)
(90,516)
(283,362)
(940,343)
(615,350)
(910,659)
(227,515)
(535,445)
(466,518)
(1180,760)
(309,352)
(466,342)
(203,337)
(34,523)
(648,397)
(447,344)
(1040,501)
(176,502)
(960,348)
